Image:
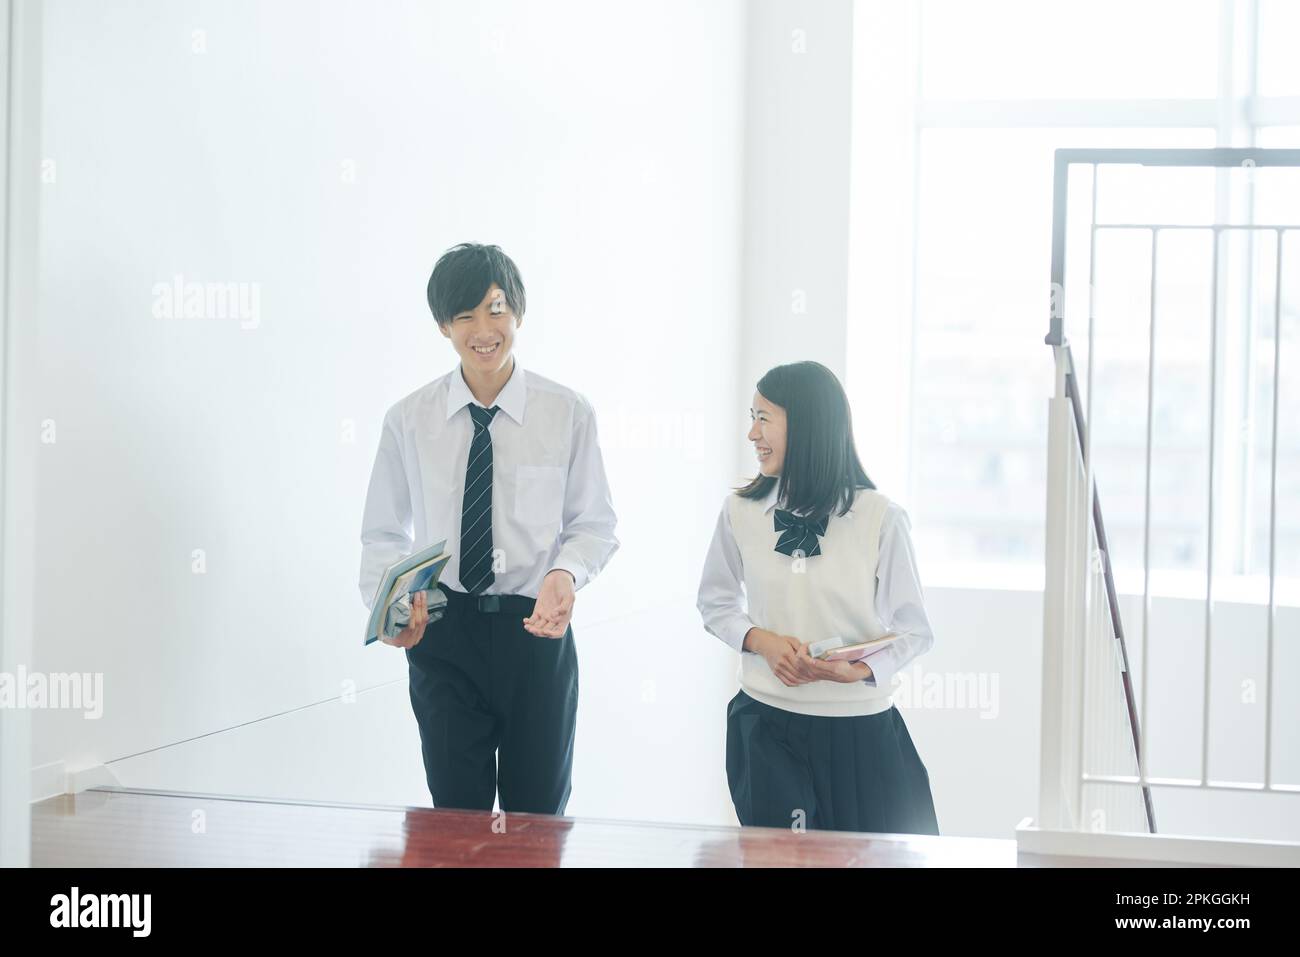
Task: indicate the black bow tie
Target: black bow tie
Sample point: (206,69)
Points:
(798,534)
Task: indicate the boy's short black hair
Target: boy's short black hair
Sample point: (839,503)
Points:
(463,275)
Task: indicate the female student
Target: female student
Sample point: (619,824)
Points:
(810,550)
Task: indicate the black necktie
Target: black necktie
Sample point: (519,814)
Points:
(798,534)
(476,513)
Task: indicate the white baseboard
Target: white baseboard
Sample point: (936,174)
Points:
(93,776)
(1156,849)
(51,780)
(48,780)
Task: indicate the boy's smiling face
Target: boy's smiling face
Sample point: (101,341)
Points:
(485,335)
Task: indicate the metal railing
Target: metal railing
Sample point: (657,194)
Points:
(1078,553)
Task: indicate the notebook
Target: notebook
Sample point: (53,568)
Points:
(846,649)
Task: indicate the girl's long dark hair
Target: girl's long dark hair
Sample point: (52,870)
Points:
(821,473)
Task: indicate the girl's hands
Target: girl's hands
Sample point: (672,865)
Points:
(813,669)
(789,660)
(780,653)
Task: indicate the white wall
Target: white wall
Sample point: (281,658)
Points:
(20,120)
(329,152)
(797,186)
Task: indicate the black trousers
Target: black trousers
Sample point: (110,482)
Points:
(497,707)
(859,773)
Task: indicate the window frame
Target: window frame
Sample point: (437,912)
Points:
(1236,115)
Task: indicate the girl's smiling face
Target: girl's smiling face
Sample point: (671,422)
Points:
(767,432)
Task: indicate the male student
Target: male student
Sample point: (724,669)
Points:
(505,465)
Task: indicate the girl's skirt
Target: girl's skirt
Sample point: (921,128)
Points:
(859,773)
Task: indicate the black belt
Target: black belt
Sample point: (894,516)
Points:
(520,605)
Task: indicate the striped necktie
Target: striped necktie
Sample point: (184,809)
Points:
(476,513)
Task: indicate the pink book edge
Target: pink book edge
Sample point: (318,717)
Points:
(857,655)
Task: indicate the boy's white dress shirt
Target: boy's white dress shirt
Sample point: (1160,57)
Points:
(551,506)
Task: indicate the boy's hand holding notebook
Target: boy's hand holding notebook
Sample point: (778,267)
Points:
(391,610)
(847,649)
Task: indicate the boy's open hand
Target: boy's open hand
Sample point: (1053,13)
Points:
(554,608)
(410,636)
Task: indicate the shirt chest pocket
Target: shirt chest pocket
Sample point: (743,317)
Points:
(539,494)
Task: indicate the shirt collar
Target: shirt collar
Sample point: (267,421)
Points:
(511,400)
(769,501)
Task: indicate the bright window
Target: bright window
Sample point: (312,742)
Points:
(998,86)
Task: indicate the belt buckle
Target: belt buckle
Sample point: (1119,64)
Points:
(489,603)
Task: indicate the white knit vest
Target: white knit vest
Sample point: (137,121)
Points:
(824,596)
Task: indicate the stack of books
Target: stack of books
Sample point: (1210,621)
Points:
(402,581)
